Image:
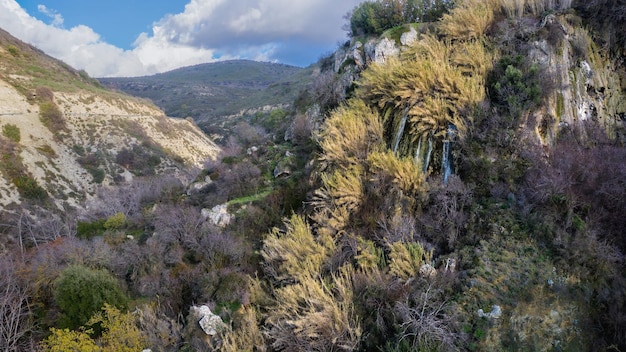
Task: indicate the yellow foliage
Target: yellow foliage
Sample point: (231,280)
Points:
(405,173)
(247,337)
(350,133)
(341,194)
(469,19)
(115,221)
(406,259)
(430,84)
(120,331)
(314,315)
(65,340)
(120,334)
(295,254)
(369,255)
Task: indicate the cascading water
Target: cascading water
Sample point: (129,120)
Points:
(400,131)
(446,157)
(422,157)
(446,168)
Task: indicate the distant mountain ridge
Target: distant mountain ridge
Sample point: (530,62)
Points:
(210,92)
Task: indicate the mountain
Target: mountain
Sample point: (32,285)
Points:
(63,134)
(214,92)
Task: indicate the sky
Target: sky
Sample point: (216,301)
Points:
(125,38)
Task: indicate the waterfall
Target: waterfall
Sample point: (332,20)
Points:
(428,153)
(446,168)
(400,131)
(423,157)
(446,157)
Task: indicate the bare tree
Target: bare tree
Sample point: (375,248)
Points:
(15,315)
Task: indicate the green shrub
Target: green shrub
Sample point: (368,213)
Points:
(514,85)
(115,221)
(80,292)
(374,17)
(12,132)
(97,174)
(86,229)
(29,188)
(13,50)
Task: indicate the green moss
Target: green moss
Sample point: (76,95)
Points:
(560,105)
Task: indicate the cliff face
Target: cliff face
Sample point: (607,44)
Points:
(63,140)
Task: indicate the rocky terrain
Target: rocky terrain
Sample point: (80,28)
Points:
(73,157)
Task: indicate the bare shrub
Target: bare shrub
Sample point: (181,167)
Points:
(328,90)
(16,321)
(44,94)
(446,212)
(427,322)
(52,117)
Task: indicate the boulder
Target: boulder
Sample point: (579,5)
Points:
(408,38)
(209,323)
(199,185)
(218,215)
(385,50)
(496,312)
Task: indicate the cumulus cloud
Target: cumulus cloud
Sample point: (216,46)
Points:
(206,31)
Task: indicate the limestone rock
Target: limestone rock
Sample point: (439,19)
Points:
(282,169)
(199,185)
(357,55)
(496,312)
(218,215)
(209,323)
(428,270)
(379,51)
(408,38)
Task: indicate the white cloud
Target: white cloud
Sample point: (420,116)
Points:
(57,19)
(206,31)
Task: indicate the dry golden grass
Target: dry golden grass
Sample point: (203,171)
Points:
(428,83)
(247,336)
(406,259)
(469,19)
(405,173)
(315,315)
(350,134)
(294,254)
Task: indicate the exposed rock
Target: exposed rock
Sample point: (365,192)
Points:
(203,324)
(218,215)
(199,185)
(496,312)
(428,270)
(379,51)
(209,323)
(252,150)
(282,169)
(357,55)
(408,38)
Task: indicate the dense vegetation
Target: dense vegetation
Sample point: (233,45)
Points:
(212,93)
(357,236)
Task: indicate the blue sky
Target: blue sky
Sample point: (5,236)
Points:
(140,37)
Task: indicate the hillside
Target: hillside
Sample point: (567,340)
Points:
(64,135)
(212,93)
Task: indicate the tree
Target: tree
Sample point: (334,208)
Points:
(15,314)
(80,292)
